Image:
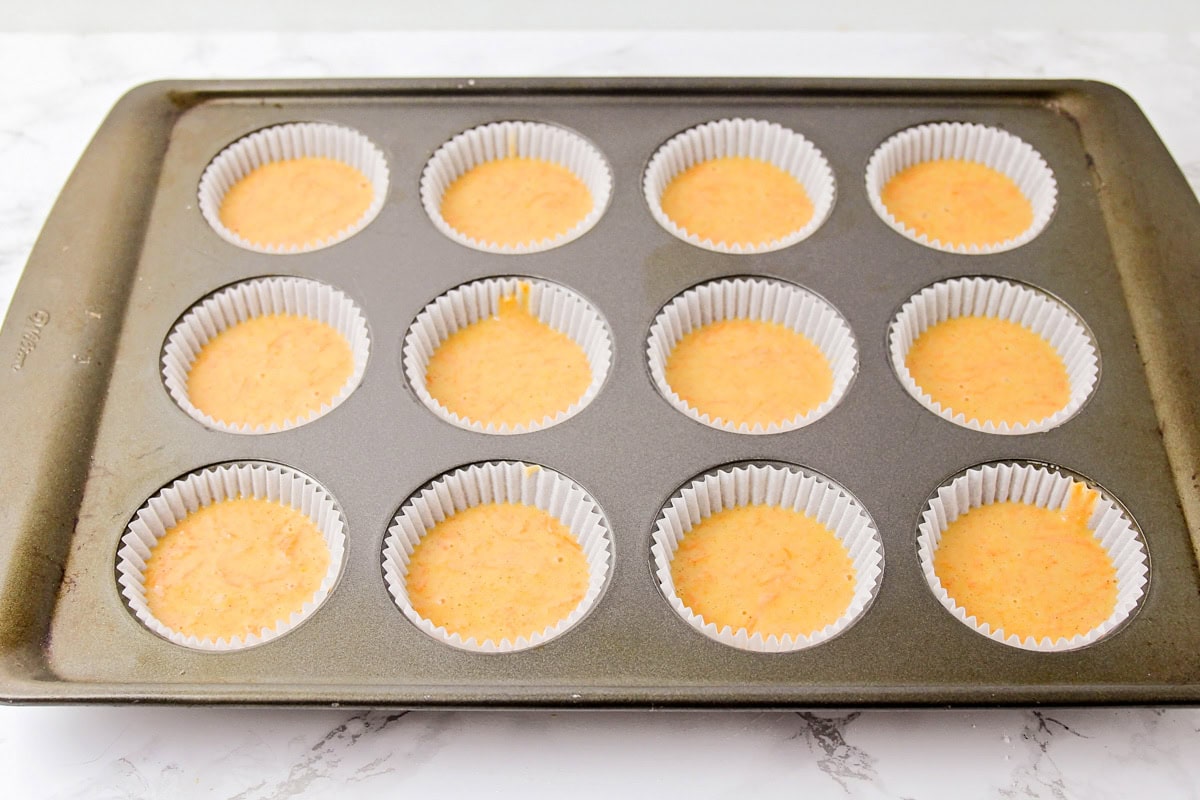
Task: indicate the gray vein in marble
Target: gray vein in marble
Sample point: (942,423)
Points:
(1042,776)
(840,761)
(325,756)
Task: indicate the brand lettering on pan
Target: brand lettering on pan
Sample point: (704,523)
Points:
(30,337)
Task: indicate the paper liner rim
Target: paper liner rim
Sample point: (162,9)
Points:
(416,376)
(1040,221)
(1122,612)
(126,568)
(600,204)
(841,384)
(182,398)
(869,580)
(1058,418)
(597,584)
(213,218)
(822,206)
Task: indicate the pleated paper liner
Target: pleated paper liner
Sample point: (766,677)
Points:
(535,140)
(1045,487)
(499,482)
(763,299)
(788,487)
(992,147)
(212,485)
(747,138)
(257,298)
(1001,299)
(557,306)
(284,143)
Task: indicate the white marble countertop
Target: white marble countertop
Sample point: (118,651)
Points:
(55,92)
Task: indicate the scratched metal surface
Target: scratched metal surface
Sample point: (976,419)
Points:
(99,433)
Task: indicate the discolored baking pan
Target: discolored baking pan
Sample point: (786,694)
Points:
(92,432)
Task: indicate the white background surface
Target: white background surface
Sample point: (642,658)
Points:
(55,91)
(88,16)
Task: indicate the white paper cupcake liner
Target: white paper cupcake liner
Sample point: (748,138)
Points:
(758,299)
(1015,302)
(212,485)
(283,143)
(557,306)
(964,141)
(501,482)
(498,140)
(747,138)
(258,298)
(813,495)
(1045,488)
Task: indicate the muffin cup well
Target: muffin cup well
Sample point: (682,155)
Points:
(785,487)
(500,482)
(499,140)
(747,138)
(212,485)
(964,141)
(283,143)
(258,298)
(556,306)
(757,299)
(1046,488)
(1001,299)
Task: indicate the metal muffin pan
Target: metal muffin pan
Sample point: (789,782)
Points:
(92,431)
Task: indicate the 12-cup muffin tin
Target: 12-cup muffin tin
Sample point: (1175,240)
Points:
(94,431)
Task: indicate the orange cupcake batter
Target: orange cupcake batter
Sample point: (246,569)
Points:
(767,569)
(516,200)
(270,370)
(296,202)
(497,571)
(990,370)
(958,202)
(1028,570)
(508,369)
(737,200)
(235,567)
(749,371)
